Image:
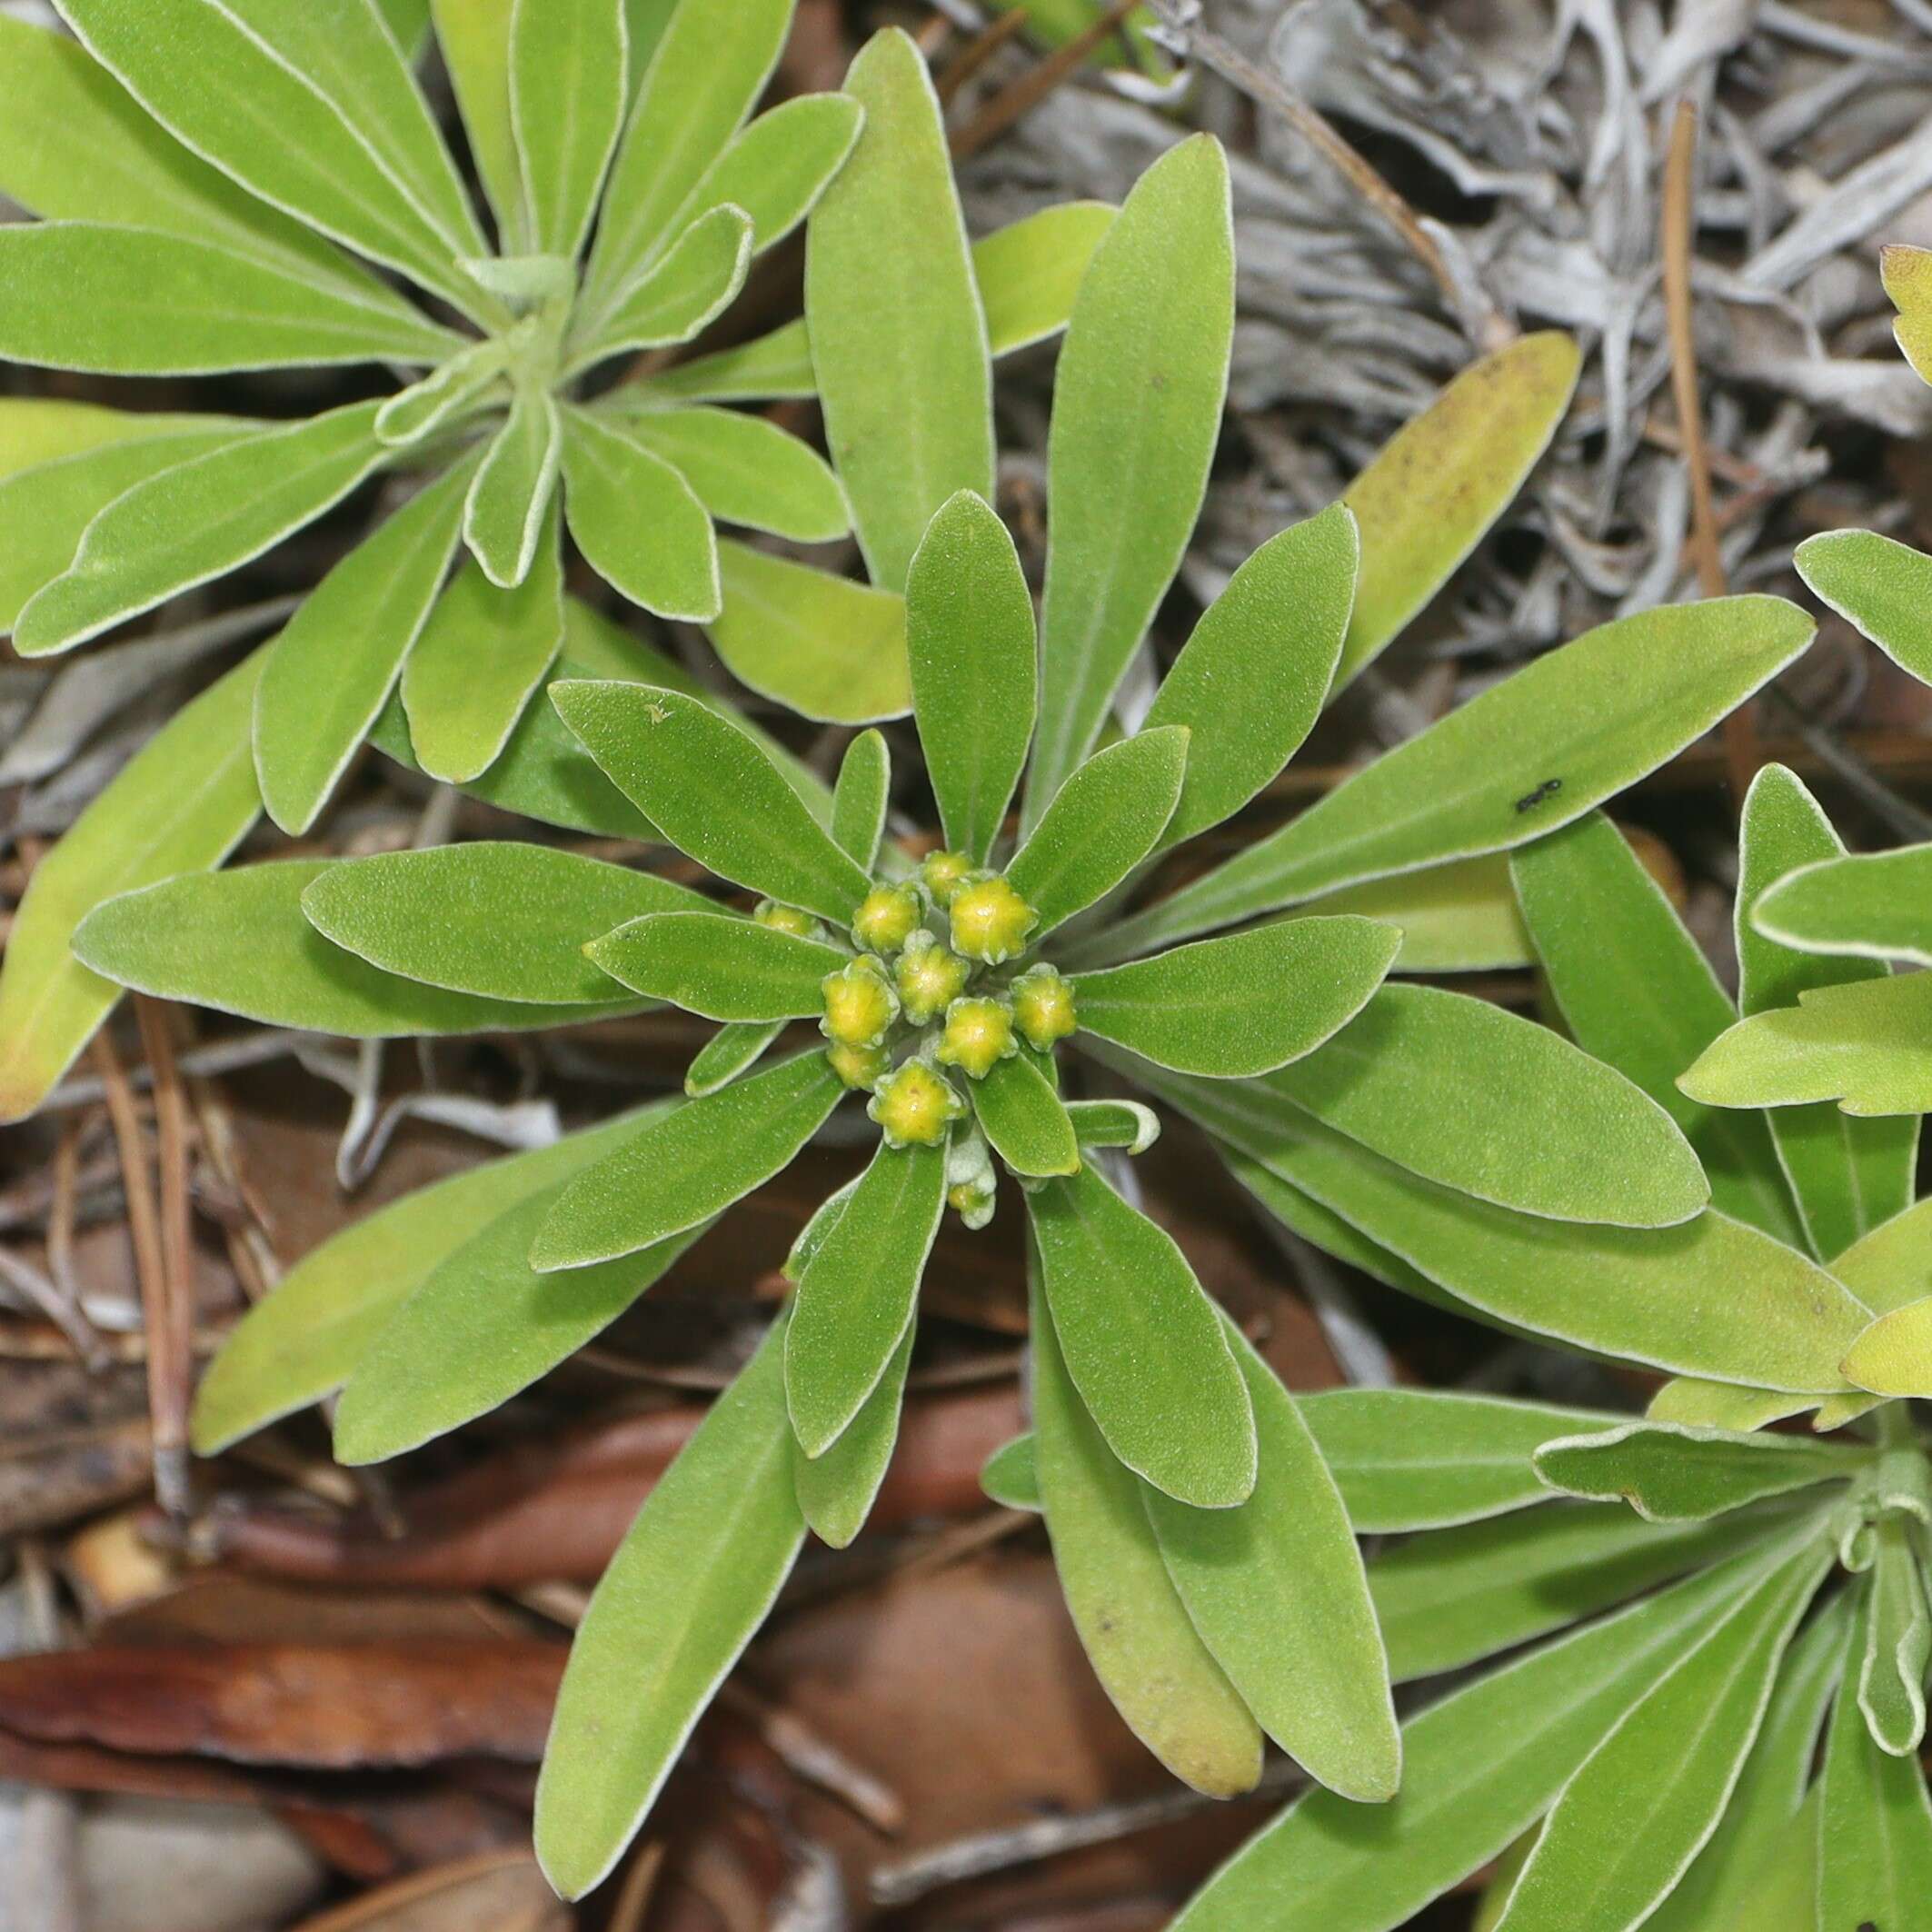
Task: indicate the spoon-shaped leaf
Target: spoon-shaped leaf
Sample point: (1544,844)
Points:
(679,295)
(1672,1474)
(859,798)
(1025,1120)
(745,470)
(778,167)
(725,968)
(1242,1005)
(974,661)
(857,1292)
(637,521)
(1877,584)
(510,499)
(689,1165)
(694,1580)
(713,791)
(1143,1344)
(837,1491)
(568,70)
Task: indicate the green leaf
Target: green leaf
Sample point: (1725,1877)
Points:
(1866,1045)
(331,671)
(1025,1120)
(45,507)
(474,36)
(723,967)
(824,646)
(859,798)
(689,1166)
(679,296)
(1526,756)
(1412,1458)
(837,1491)
(696,1575)
(1242,1005)
(568,79)
(1878,585)
(482,656)
(1274,1588)
(706,72)
(129,301)
(1131,1623)
(857,1293)
(1646,1800)
(730,1052)
(299,112)
(780,165)
(453,390)
(1847,1175)
(1868,907)
(1898,1642)
(1525,1121)
(1875,1826)
(504,919)
(714,792)
(185,800)
(1893,1357)
(305,1340)
(1114,1123)
(1672,1474)
(1137,407)
(198,520)
(1462,917)
(1143,1344)
(745,470)
(479,1329)
(1636,991)
(1640,1293)
(1106,819)
(1478,1768)
(237,942)
(1251,679)
(970,646)
(898,336)
(508,509)
(1445,477)
(40,430)
(638,523)
(1008,1477)
(1722,1405)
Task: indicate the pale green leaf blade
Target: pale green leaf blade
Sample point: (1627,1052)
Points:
(731,1051)
(474,37)
(508,509)
(837,1491)
(1898,1642)
(1114,1123)
(1107,818)
(569,73)
(1671,1473)
(1894,1356)
(1251,679)
(185,800)
(1879,586)
(1866,907)
(745,470)
(1136,409)
(824,646)
(780,165)
(1143,1344)
(199,519)
(1521,758)
(725,968)
(501,919)
(482,654)
(1274,1588)
(714,792)
(238,942)
(1722,1405)
(687,1590)
(679,296)
(40,430)
(1243,1005)
(330,672)
(1025,1120)
(691,1165)
(1131,1623)
(898,337)
(1462,917)
(1636,991)
(859,798)
(974,663)
(857,1293)
(1009,1477)
(304,1341)
(1445,477)
(638,522)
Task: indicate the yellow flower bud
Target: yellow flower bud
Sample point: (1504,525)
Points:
(914,1107)
(972,1201)
(929,978)
(944,873)
(859,1005)
(979,1035)
(991,921)
(858,1067)
(887,918)
(786,919)
(1043,1007)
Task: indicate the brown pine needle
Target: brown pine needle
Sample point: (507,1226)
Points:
(1036,83)
(977,51)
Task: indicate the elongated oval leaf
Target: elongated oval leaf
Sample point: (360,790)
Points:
(726,968)
(1025,1120)
(780,165)
(1869,906)
(1894,1356)
(1524,757)
(859,798)
(694,1580)
(677,297)
(638,522)
(857,1293)
(1137,406)
(1462,917)
(898,336)
(837,1491)
(569,71)
(1898,1643)
(1877,584)
(1143,1344)
(733,1049)
(974,664)
(509,498)
(714,793)
(745,470)
(1114,1123)
(1242,1005)
(1672,1474)
(689,1166)
(473,38)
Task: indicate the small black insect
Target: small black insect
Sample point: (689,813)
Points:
(1547,789)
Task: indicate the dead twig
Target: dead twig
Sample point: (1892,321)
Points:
(1031,88)
(976,52)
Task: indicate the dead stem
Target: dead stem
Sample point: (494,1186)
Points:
(1031,88)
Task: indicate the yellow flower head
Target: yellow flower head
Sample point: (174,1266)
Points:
(860,1004)
(887,918)
(858,1067)
(914,1107)
(786,919)
(929,978)
(979,1035)
(991,921)
(1043,1007)
(944,873)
